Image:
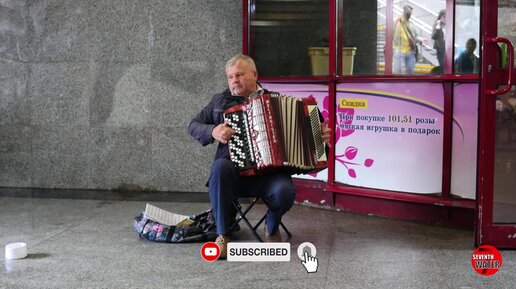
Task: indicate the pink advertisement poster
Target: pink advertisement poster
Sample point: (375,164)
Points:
(388,136)
(464,145)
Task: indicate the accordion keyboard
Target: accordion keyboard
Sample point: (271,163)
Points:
(240,149)
(259,136)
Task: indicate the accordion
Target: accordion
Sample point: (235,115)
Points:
(275,132)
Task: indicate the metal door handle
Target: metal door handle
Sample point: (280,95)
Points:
(510,65)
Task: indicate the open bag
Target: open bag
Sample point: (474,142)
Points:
(201,229)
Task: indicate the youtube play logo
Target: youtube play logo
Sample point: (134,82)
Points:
(210,251)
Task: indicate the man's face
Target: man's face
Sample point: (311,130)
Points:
(408,12)
(241,78)
(470,47)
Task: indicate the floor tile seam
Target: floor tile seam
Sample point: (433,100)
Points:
(64,231)
(331,250)
(53,236)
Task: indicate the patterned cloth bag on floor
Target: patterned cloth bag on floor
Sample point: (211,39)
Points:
(201,230)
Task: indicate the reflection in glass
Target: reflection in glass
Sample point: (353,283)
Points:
(282,33)
(290,37)
(438,37)
(467,31)
(504,210)
(362,39)
(418,36)
(405,40)
(505,159)
(468,62)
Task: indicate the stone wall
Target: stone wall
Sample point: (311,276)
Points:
(98,94)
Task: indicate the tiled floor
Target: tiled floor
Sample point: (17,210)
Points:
(91,243)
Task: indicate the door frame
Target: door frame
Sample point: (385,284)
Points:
(492,75)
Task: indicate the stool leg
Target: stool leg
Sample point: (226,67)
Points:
(243,217)
(286,231)
(260,222)
(239,211)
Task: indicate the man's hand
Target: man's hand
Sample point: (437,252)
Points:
(326,132)
(222,132)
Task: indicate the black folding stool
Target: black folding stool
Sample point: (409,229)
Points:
(242,216)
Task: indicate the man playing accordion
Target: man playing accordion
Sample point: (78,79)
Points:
(225,183)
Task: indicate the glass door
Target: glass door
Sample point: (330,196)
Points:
(496,199)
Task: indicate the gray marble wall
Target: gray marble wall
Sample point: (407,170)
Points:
(98,94)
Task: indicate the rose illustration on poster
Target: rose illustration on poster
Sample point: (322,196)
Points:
(344,119)
(350,154)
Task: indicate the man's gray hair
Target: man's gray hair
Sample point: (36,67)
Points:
(233,60)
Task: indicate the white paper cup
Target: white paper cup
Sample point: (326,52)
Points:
(15,251)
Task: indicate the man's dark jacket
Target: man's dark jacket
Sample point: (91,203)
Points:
(203,123)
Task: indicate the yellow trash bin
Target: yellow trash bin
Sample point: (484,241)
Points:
(319,60)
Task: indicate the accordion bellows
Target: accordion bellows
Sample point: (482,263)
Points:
(275,132)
